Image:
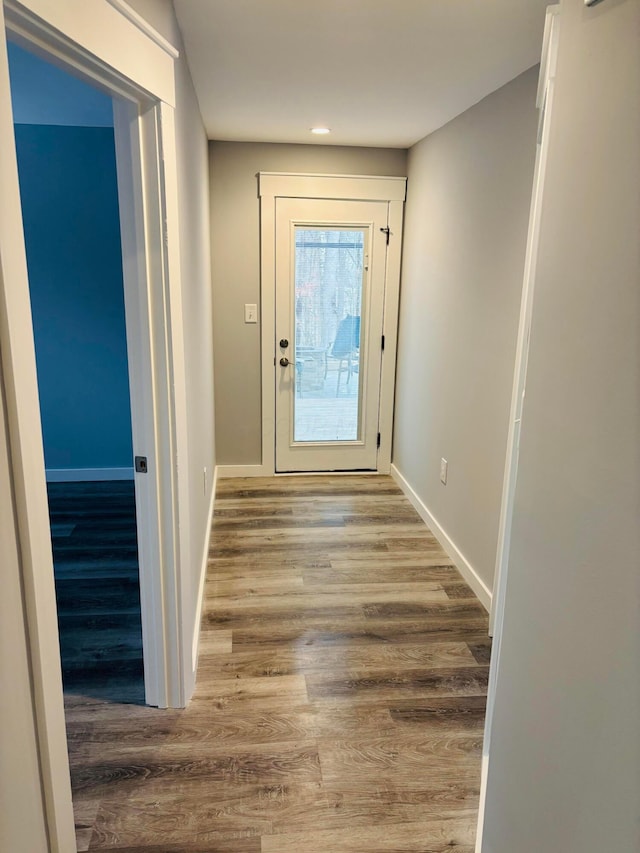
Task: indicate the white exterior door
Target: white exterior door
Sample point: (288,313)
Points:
(330,263)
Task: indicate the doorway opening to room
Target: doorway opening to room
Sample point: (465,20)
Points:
(135,69)
(69,193)
(330,272)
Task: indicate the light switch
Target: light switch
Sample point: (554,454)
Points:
(251,313)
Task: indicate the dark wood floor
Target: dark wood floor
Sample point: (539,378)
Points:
(93,531)
(340,697)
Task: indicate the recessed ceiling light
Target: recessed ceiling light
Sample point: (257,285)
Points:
(320,130)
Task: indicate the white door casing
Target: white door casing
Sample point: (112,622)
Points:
(276,187)
(544,103)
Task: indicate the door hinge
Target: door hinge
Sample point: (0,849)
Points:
(382,342)
(378,444)
(386,231)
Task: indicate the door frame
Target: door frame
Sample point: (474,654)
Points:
(274,185)
(128,60)
(544,103)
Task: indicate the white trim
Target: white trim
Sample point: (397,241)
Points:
(462,564)
(279,474)
(390,332)
(267,334)
(98,43)
(143,25)
(176,493)
(203,576)
(545,104)
(273,185)
(345,187)
(484,773)
(87,475)
(24,432)
(549,53)
(140,346)
(496,619)
(225,471)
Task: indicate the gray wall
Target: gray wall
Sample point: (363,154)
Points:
(193,199)
(235,247)
(467,212)
(564,761)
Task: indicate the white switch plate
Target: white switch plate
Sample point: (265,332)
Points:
(251,313)
(444,467)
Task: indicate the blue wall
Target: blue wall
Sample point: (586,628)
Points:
(72,233)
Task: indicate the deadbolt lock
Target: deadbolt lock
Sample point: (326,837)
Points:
(284,343)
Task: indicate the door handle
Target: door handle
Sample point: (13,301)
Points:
(284,362)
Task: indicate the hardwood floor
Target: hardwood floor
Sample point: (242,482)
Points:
(95,553)
(340,698)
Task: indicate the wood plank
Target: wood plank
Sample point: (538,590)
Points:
(305,599)
(253,693)
(354,661)
(410,683)
(392,757)
(438,836)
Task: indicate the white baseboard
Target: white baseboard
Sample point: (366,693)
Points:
(85,475)
(483,797)
(462,564)
(203,575)
(224,471)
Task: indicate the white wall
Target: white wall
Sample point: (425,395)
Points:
(193,198)
(468,198)
(235,259)
(564,760)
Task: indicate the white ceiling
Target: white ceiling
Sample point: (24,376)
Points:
(377,72)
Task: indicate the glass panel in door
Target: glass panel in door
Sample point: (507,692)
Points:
(329,286)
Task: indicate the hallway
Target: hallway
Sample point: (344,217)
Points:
(340,698)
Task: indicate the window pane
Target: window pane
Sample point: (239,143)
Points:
(329,276)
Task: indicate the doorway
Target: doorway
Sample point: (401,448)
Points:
(123,60)
(330,287)
(67,168)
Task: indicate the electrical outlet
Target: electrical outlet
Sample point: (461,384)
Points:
(250,313)
(204,481)
(444,469)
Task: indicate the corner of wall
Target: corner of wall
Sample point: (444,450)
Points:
(463,565)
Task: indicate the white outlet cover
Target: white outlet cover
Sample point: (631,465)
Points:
(444,468)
